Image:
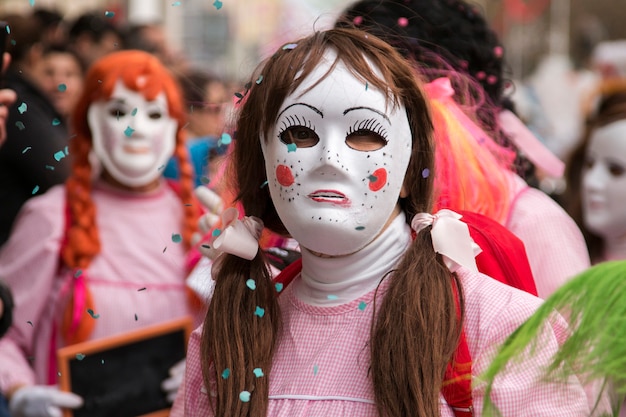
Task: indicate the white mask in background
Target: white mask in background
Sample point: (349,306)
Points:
(604,181)
(336,161)
(132,137)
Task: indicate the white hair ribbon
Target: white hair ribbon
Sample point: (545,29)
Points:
(239,237)
(451,238)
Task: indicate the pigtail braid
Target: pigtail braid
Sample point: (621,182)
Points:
(242,341)
(190,205)
(415,334)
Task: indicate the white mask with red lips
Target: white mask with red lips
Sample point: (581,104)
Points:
(132,137)
(336,160)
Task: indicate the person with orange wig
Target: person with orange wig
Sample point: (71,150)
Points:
(104,253)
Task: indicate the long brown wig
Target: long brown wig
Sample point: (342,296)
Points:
(606,105)
(416,329)
(82,239)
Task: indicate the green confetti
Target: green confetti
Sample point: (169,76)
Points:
(20,125)
(32,4)
(216,232)
(372,178)
(176,238)
(291,147)
(244,396)
(56,122)
(109,14)
(264,184)
(289,46)
(217,4)
(315,369)
(205,180)
(332,297)
(226,373)
(59,155)
(35,190)
(251,284)
(62,87)
(129,131)
(78,273)
(259,311)
(176,3)
(80,356)
(362,305)
(258,80)
(26,149)
(278,286)
(258,372)
(22,108)
(366,86)
(50,167)
(134,112)
(92,314)
(359,228)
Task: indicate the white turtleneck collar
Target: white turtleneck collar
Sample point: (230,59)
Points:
(339,280)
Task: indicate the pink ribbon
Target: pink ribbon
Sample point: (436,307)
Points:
(451,238)
(239,237)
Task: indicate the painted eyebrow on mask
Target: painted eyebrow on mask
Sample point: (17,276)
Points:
(315,109)
(367,108)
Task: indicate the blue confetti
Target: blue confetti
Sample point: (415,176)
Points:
(251,284)
(258,80)
(22,108)
(109,14)
(258,372)
(372,178)
(225,139)
(59,155)
(366,86)
(20,125)
(205,180)
(26,149)
(78,273)
(259,311)
(176,3)
(176,238)
(62,87)
(362,305)
(425,173)
(226,373)
(289,46)
(315,369)
(134,112)
(32,3)
(359,228)
(35,190)
(278,286)
(264,184)
(80,356)
(129,131)
(216,233)
(56,122)
(92,314)
(50,167)
(244,396)
(161,167)
(332,297)
(217,4)
(291,147)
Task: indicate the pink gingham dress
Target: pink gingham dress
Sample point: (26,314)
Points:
(321,364)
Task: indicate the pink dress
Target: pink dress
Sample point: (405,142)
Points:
(554,244)
(321,364)
(137,280)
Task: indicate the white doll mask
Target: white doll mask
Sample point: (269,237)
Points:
(132,137)
(604,181)
(336,161)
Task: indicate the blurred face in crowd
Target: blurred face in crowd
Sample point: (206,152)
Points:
(604,181)
(60,76)
(208,118)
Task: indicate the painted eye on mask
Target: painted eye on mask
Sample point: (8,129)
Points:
(365,140)
(301,136)
(616,170)
(117,112)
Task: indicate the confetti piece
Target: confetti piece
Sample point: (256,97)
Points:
(80,356)
(216,232)
(56,122)
(264,184)
(217,4)
(251,284)
(30,322)
(32,3)
(109,14)
(136,318)
(92,314)
(22,108)
(315,369)
(20,125)
(176,238)
(259,311)
(359,228)
(278,286)
(332,297)
(291,147)
(258,80)
(226,373)
(62,87)
(425,173)
(50,167)
(258,372)
(205,180)
(289,46)
(26,149)
(366,86)
(161,167)
(78,273)
(164,249)
(176,3)
(226,139)
(59,155)
(362,305)
(134,112)
(372,178)
(35,190)
(102,361)
(142,289)
(129,131)
(244,396)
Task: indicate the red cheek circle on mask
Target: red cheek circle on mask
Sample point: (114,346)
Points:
(284,175)
(380,181)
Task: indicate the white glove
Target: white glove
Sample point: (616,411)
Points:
(42,401)
(215,206)
(172,384)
